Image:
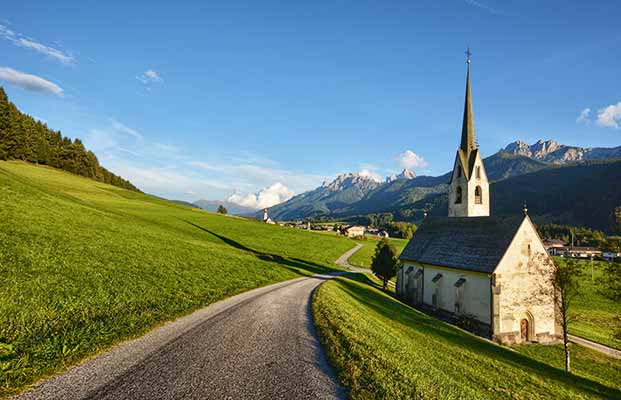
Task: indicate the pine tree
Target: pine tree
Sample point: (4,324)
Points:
(24,138)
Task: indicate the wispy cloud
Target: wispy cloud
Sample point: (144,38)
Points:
(409,159)
(149,76)
(21,40)
(584,117)
(119,127)
(166,170)
(483,6)
(29,82)
(252,175)
(610,117)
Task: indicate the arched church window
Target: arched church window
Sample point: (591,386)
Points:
(459,171)
(478,195)
(478,172)
(458,195)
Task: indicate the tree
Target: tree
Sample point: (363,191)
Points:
(617,220)
(24,138)
(385,262)
(565,278)
(222,209)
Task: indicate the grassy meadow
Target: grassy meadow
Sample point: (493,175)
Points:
(362,258)
(397,352)
(594,316)
(85,265)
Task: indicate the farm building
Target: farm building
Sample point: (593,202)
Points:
(354,231)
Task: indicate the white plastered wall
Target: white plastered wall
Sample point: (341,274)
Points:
(524,289)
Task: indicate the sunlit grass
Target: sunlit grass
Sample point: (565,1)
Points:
(362,258)
(85,265)
(383,349)
(593,315)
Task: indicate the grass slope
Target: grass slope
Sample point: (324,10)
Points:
(85,265)
(396,352)
(594,316)
(362,258)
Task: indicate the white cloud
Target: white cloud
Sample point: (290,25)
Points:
(266,197)
(370,174)
(29,82)
(20,40)
(610,117)
(409,159)
(149,76)
(584,117)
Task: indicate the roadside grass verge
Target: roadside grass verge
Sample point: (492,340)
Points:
(594,316)
(85,265)
(362,258)
(383,349)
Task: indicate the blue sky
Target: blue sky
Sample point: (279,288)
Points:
(205,99)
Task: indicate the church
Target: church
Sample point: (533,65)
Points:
(492,271)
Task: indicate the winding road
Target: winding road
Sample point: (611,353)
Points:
(260,344)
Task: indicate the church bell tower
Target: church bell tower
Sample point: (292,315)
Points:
(469,187)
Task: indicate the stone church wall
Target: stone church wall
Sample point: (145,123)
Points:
(522,291)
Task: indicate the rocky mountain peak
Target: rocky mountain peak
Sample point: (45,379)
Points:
(351,179)
(551,151)
(405,174)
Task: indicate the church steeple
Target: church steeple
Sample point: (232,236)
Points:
(469,187)
(468,140)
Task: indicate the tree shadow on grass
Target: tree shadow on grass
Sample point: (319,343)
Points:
(411,318)
(293,264)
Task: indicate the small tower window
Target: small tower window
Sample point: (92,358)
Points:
(459,171)
(478,172)
(458,195)
(478,195)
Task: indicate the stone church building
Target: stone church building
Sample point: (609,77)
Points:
(493,270)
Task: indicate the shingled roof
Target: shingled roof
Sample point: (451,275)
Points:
(468,243)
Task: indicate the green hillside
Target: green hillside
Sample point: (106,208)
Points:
(397,352)
(85,265)
(581,194)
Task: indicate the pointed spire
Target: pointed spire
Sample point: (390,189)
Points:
(468,140)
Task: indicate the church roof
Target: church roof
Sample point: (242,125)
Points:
(468,243)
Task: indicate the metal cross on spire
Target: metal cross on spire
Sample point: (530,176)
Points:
(468,54)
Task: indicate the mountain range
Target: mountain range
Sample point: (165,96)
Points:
(550,151)
(518,172)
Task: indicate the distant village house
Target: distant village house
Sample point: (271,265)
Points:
(353,231)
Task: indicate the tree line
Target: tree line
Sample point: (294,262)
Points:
(24,138)
(385,221)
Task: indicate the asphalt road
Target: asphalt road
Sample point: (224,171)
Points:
(258,345)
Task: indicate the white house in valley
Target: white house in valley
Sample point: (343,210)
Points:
(493,270)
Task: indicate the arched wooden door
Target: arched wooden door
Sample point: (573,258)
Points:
(524,330)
